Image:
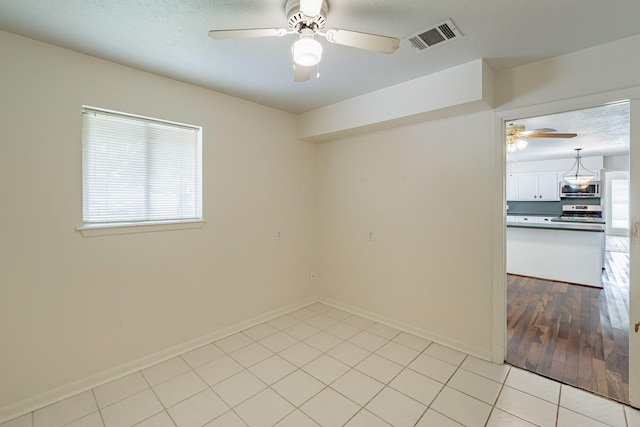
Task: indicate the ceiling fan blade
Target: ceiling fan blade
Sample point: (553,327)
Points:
(548,135)
(368,41)
(248,33)
(311,8)
(301,74)
(541,130)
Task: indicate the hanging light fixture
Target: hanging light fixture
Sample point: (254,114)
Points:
(513,142)
(578,176)
(307,51)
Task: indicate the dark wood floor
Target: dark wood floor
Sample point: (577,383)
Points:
(574,334)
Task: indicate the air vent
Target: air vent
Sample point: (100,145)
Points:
(437,34)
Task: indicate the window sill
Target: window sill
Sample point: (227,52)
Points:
(94,230)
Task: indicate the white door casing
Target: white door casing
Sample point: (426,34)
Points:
(634,253)
(499,254)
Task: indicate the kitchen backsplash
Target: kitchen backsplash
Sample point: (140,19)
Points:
(546,208)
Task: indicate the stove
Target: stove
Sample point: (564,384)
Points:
(581,213)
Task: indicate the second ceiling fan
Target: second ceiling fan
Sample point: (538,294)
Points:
(307,18)
(516,132)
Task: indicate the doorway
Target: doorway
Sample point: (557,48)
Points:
(569,332)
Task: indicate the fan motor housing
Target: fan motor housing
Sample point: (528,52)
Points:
(297,20)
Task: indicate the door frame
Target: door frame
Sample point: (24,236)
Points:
(499,285)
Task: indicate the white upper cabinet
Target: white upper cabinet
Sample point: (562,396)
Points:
(533,187)
(513,187)
(548,186)
(528,187)
(540,180)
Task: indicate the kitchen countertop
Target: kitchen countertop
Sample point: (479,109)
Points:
(598,228)
(561,251)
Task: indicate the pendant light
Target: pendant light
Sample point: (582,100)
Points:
(578,176)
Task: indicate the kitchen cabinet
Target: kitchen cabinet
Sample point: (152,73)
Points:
(548,186)
(512,187)
(572,253)
(533,187)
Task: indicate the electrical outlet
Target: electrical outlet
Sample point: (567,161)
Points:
(371,236)
(278,235)
(312,275)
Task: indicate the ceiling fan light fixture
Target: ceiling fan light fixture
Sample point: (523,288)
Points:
(307,51)
(521,144)
(514,143)
(515,128)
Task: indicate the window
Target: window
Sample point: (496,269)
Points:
(620,203)
(137,170)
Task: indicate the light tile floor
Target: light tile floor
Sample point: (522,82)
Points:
(322,366)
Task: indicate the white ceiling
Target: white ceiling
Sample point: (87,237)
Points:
(602,131)
(169,37)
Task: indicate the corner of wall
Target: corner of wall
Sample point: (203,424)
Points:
(458,90)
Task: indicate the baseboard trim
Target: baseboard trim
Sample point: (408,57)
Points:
(47,398)
(481,353)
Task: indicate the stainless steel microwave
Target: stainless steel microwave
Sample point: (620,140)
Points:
(590,189)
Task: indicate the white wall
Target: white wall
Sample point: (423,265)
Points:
(458,90)
(616,162)
(600,69)
(89,304)
(437,262)
(71,307)
(425,191)
(593,163)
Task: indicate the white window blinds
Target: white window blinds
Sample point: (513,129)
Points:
(139,170)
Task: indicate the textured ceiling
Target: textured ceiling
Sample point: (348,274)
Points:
(169,37)
(602,131)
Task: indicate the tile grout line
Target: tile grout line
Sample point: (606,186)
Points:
(93,393)
(328,386)
(297,368)
(267,386)
(363,407)
(437,394)
(388,340)
(388,384)
(558,407)
(210,386)
(157,397)
(404,367)
(494,407)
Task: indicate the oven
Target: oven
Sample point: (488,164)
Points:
(582,213)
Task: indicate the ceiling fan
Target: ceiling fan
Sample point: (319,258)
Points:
(306,18)
(516,132)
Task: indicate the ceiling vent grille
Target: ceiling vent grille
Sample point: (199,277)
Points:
(437,34)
